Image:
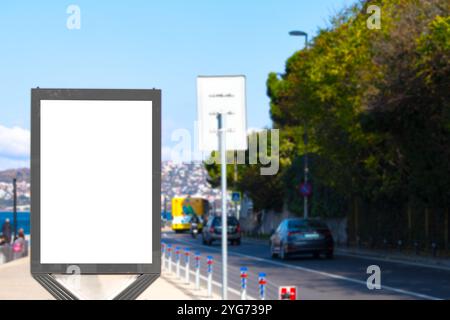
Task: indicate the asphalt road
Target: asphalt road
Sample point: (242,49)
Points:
(344,277)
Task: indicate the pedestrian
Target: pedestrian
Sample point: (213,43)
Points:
(21,233)
(19,245)
(6,230)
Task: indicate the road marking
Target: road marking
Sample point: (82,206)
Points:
(340,252)
(393,260)
(325,274)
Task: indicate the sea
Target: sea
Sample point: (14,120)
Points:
(23,220)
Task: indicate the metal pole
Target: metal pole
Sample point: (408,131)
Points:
(222,149)
(305,137)
(15,207)
(306,151)
(235,178)
(305,202)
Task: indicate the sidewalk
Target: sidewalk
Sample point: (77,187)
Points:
(16,283)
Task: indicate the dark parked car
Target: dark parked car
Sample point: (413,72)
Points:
(213,230)
(302,236)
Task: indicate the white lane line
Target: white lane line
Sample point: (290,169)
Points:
(343,253)
(330,275)
(392,260)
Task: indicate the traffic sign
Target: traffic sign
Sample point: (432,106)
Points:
(236,196)
(287,293)
(305,189)
(223,95)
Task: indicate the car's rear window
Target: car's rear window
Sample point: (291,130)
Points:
(232,221)
(303,225)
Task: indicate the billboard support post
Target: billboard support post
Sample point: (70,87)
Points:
(223,162)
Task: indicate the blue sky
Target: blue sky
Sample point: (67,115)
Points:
(145,44)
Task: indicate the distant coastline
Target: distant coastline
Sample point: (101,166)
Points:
(25,209)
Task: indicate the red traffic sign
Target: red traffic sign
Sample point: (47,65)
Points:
(305,189)
(287,293)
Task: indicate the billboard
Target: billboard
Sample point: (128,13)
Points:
(95,181)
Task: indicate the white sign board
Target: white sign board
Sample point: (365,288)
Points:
(225,95)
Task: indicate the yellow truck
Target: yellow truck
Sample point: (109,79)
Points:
(183,208)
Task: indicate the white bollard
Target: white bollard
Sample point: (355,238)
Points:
(262,286)
(186,264)
(197,271)
(177,257)
(169,256)
(244,276)
(210,262)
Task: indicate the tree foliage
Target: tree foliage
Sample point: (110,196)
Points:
(375,104)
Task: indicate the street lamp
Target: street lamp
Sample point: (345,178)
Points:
(15,207)
(297,33)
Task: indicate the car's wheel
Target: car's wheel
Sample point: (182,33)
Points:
(330,255)
(316,255)
(283,253)
(272,252)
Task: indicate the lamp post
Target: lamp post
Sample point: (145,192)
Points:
(15,207)
(297,33)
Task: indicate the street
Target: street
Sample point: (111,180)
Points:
(344,277)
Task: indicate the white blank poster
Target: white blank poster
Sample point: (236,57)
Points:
(96,182)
